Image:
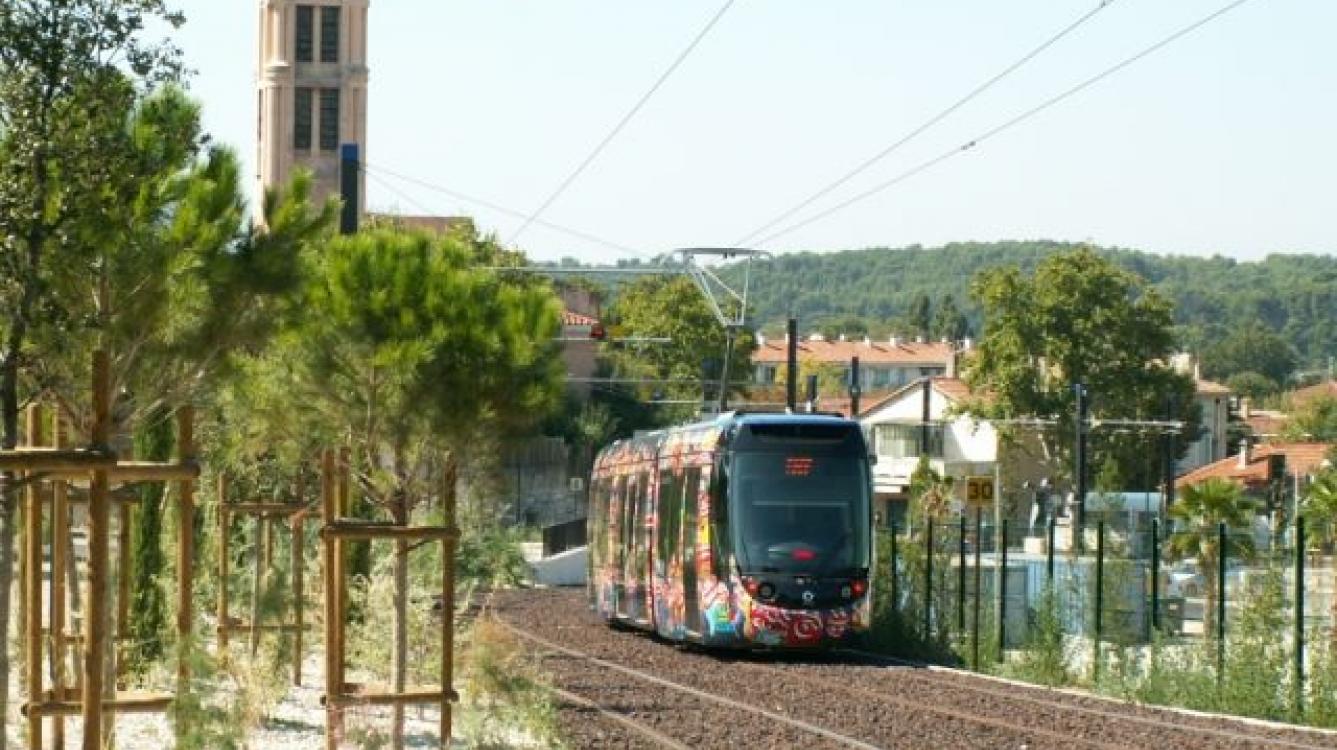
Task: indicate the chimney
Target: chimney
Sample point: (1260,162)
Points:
(1244,454)
(761,340)
(867,341)
(842,337)
(919,339)
(967,344)
(1197,370)
(894,341)
(1245,408)
(951,364)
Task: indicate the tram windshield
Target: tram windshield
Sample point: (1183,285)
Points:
(800,512)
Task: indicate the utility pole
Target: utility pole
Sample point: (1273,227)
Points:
(812,393)
(1079,470)
(1168,445)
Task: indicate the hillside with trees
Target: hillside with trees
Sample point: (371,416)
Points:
(1228,311)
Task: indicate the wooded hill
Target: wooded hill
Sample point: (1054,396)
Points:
(875,290)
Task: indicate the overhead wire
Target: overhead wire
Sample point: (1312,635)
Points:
(370,169)
(1007,125)
(868,163)
(622,123)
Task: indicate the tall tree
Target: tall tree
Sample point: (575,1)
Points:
(1250,348)
(1314,420)
(673,308)
(920,316)
(1078,319)
(949,322)
(64,67)
(407,348)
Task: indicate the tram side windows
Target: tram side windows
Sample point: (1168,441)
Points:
(690,526)
(668,521)
(642,525)
(719,533)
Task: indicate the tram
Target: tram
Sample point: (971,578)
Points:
(744,531)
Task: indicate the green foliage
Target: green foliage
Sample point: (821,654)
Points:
(1077,319)
(491,557)
(503,693)
(1252,348)
(153,442)
(1252,385)
(1315,420)
(674,308)
(1199,511)
(1293,295)
(1044,657)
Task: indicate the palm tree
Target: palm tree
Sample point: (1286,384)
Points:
(1200,510)
(1320,508)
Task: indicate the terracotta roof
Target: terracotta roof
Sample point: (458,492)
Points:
(576,319)
(1210,388)
(868,352)
(1327,388)
(1301,458)
(953,389)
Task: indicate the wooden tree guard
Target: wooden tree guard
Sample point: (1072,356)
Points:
(96,465)
(265,514)
(337,529)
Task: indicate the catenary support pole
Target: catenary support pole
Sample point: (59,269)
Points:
(1079,469)
(856,388)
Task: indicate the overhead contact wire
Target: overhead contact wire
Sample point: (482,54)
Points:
(626,118)
(926,125)
(1009,124)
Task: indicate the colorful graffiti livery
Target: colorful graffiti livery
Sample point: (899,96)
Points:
(711,533)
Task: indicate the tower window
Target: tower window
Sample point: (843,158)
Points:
(306,33)
(329,35)
(301,132)
(329,119)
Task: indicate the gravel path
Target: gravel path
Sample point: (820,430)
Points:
(867,702)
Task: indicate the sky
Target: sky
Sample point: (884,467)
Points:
(1221,143)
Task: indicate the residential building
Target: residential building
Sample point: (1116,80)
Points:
(958,446)
(1214,401)
(312,90)
(1257,467)
(883,365)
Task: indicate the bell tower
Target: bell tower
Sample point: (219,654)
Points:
(312,90)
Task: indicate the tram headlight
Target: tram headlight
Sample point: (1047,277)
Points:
(859,587)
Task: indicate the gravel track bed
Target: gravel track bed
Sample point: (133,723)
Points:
(887,706)
(1132,723)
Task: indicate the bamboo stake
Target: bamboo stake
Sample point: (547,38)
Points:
(261,542)
(185,550)
(224,543)
(448,600)
(93,646)
(60,532)
(123,571)
(340,585)
(299,604)
(32,584)
(330,550)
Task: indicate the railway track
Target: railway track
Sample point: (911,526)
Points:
(854,701)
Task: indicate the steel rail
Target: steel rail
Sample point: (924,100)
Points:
(695,693)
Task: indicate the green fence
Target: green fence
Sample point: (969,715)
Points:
(1129,605)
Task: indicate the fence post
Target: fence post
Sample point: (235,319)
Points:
(895,587)
(1100,599)
(1155,574)
(1049,553)
(1002,591)
(1221,540)
(975,617)
(961,576)
(928,580)
(1299,615)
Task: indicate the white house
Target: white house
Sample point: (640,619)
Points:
(957,445)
